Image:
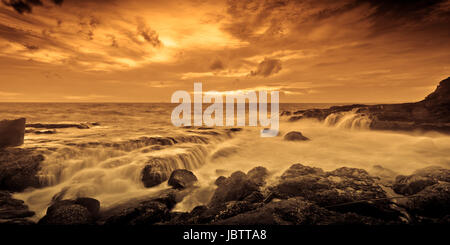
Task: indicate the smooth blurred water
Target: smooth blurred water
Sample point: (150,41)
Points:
(105,161)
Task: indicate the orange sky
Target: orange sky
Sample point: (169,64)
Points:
(142,51)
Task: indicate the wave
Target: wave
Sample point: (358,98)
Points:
(348,119)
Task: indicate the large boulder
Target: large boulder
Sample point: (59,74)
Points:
(420,179)
(432,202)
(12,132)
(182,178)
(153,175)
(238,186)
(295,136)
(81,211)
(19,168)
(344,190)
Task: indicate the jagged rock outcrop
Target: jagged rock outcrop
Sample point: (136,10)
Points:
(12,132)
(432,113)
(19,168)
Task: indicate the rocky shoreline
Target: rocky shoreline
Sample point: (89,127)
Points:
(302,195)
(430,114)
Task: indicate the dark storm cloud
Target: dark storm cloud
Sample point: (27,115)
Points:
(217,65)
(384,15)
(148,34)
(26,6)
(267,67)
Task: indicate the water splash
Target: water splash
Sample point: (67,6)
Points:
(348,119)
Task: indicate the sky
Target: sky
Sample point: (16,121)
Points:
(311,51)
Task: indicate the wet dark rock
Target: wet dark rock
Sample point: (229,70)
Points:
(285,113)
(81,211)
(258,175)
(153,175)
(409,185)
(146,213)
(420,179)
(433,201)
(92,205)
(299,170)
(343,190)
(18,168)
(57,125)
(295,136)
(235,188)
(220,180)
(12,132)
(385,175)
(181,179)
(434,172)
(295,118)
(293,211)
(13,210)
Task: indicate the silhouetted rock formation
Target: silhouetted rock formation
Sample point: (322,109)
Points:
(181,179)
(295,136)
(432,113)
(18,168)
(12,132)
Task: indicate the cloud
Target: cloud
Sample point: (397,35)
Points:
(148,34)
(216,65)
(267,67)
(26,6)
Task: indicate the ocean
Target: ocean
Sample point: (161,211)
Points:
(105,160)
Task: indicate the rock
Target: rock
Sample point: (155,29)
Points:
(285,113)
(13,210)
(409,185)
(18,168)
(434,172)
(12,132)
(433,201)
(234,188)
(80,211)
(92,205)
(220,180)
(153,175)
(344,190)
(146,213)
(182,178)
(45,132)
(57,125)
(386,176)
(295,136)
(293,211)
(258,175)
(71,214)
(420,179)
(432,113)
(299,170)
